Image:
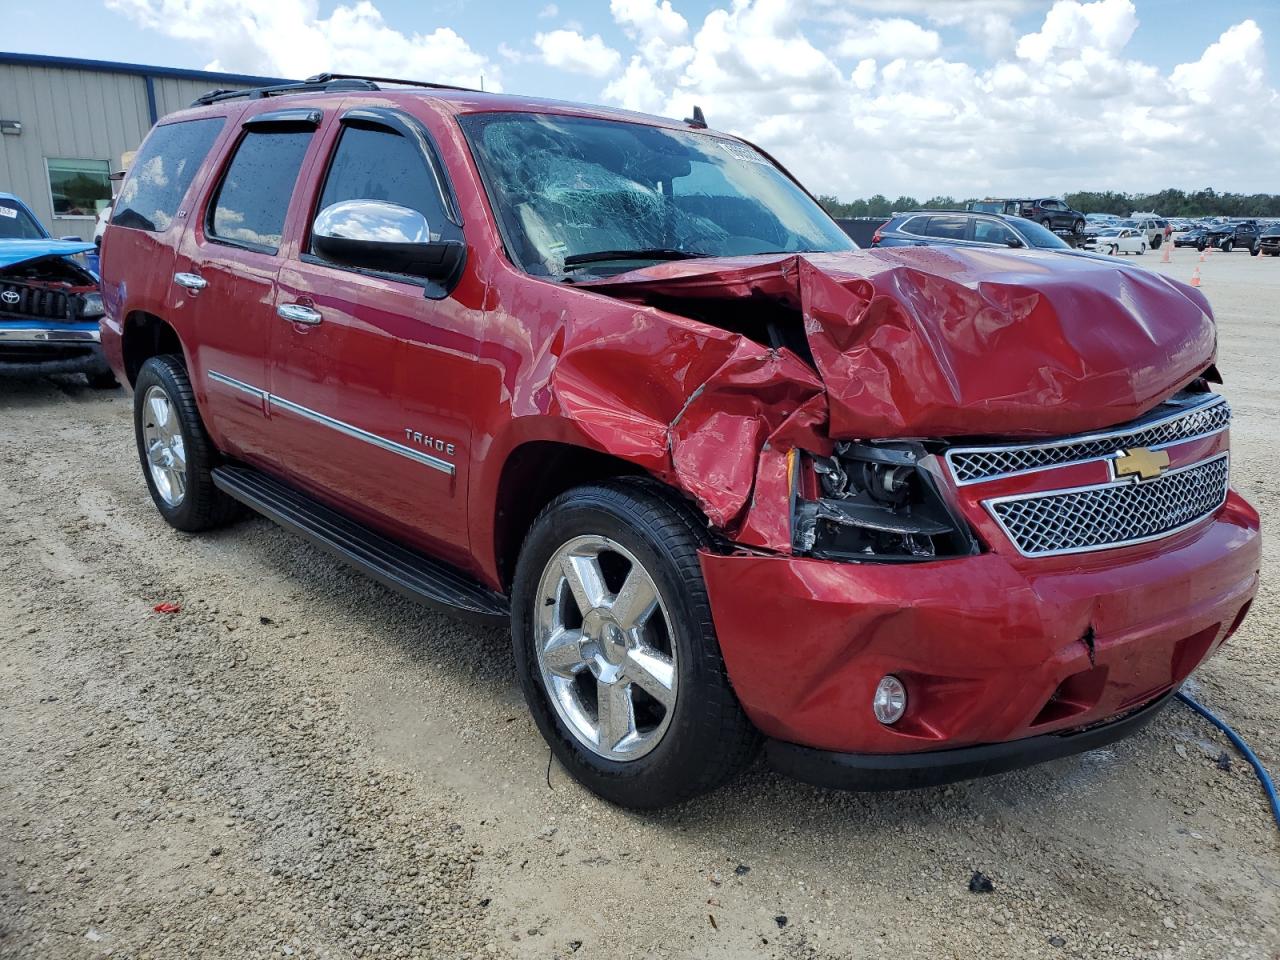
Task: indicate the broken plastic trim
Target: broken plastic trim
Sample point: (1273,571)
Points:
(875,502)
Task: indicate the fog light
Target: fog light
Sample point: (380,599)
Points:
(890,701)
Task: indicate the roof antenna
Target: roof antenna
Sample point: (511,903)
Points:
(697,120)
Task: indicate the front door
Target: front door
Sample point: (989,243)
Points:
(371,371)
(224,278)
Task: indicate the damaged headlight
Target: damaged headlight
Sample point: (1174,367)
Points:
(91,306)
(873,501)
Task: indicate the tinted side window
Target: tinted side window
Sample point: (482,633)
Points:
(381,165)
(948,228)
(162,171)
(916,225)
(253,198)
(988,231)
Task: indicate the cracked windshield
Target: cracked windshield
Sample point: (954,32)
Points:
(582,195)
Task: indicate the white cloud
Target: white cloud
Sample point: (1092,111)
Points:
(1232,67)
(648,19)
(1070,28)
(549,11)
(288,38)
(570,50)
(856,96)
(1065,106)
(889,39)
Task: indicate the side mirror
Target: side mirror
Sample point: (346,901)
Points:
(382,236)
(1013,242)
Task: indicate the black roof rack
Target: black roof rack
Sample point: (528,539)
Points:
(328,77)
(320,83)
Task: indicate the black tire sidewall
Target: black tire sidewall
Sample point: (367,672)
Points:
(203,505)
(661,776)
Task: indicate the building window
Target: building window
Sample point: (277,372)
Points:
(79,188)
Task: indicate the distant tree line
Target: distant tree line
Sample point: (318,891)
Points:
(1167,203)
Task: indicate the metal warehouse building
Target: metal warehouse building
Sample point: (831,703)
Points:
(65,124)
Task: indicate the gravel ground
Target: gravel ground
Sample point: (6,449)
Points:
(299,763)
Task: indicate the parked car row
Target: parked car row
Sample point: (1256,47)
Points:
(1251,235)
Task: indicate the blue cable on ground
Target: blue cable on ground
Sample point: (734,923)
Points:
(1268,787)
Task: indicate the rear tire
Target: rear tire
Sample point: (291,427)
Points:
(1156,241)
(174,448)
(1077,228)
(1142,249)
(1255,250)
(690,735)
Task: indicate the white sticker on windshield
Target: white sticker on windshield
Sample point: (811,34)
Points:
(740,152)
(10,212)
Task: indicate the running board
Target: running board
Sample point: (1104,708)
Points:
(406,571)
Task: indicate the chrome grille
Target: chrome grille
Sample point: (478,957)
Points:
(1112,514)
(974,464)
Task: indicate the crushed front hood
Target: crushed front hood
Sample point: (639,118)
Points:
(950,342)
(14,252)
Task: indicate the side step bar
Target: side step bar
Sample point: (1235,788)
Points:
(406,571)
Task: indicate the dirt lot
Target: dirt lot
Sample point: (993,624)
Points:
(301,764)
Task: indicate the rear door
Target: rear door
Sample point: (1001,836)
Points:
(373,372)
(224,276)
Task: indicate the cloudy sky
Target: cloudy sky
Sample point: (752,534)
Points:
(966,97)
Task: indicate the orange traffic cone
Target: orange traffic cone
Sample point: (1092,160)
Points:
(1166,258)
(1201,258)
(1195,278)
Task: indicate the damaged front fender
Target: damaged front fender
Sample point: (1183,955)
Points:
(885,344)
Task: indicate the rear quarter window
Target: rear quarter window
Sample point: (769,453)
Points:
(162,171)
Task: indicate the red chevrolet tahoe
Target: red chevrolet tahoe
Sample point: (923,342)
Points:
(903,516)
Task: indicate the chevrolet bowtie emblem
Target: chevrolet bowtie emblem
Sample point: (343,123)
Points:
(1141,462)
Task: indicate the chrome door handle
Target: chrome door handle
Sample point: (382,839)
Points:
(297,313)
(192,281)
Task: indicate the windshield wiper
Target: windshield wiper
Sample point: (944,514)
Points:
(656,253)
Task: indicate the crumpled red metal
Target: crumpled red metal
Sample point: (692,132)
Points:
(911,342)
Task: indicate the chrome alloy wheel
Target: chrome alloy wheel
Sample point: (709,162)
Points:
(605,648)
(165,449)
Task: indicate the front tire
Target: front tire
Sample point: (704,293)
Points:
(616,651)
(1255,250)
(1077,228)
(1156,241)
(174,448)
(1227,245)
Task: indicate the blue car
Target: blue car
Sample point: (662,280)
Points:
(49,301)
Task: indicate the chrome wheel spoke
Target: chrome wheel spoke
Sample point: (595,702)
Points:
(165,449)
(617,716)
(562,654)
(585,579)
(654,673)
(636,601)
(607,660)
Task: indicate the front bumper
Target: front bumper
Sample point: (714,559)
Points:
(992,648)
(37,349)
(910,771)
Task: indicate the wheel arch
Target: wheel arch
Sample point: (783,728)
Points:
(535,473)
(143,336)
